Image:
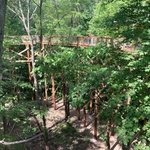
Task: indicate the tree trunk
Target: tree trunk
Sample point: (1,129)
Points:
(96,113)
(3,4)
(84,116)
(35,81)
(29,71)
(67,112)
(46,88)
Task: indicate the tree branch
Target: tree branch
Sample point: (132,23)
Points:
(32,138)
(12,10)
(37,5)
(22,141)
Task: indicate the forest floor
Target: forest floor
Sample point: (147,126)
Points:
(73,135)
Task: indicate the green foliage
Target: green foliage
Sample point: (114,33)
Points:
(129,72)
(125,75)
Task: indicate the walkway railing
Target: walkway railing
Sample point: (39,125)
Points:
(75,41)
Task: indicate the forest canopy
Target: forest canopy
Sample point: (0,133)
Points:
(112,74)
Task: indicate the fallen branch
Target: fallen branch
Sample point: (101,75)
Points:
(30,139)
(22,141)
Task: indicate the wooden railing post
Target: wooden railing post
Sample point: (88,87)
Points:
(77,41)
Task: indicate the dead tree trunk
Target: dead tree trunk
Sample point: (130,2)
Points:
(26,15)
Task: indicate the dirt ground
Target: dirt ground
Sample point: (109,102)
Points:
(73,135)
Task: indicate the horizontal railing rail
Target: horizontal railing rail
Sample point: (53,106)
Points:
(75,41)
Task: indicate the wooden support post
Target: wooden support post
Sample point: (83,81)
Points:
(84,116)
(91,102)
(111,41)
(29,70)
(53,90)
(77,41)
(131,47)
(63,93)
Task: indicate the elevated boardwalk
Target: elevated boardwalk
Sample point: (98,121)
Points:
(67,41)
(73,41)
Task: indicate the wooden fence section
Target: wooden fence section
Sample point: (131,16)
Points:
(72,41)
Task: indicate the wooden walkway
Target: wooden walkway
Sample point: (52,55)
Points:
(74,41)
(67,41)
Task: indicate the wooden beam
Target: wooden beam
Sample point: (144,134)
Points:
(23,51)
(25,61)
(19,54)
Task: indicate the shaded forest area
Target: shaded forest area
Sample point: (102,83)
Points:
(106,82)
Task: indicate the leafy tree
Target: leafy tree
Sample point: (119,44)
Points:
(128,90)
(67,17)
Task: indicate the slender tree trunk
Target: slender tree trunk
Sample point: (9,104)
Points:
(46,88)
(29,71)
(78,109)
(56,10)
(84,116)
(35,81)
(67,112)
(96,113)
(108,133)
(3,4)
(41,25)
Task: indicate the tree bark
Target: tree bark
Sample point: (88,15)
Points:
(3,4)
(96,113)
(25,17)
